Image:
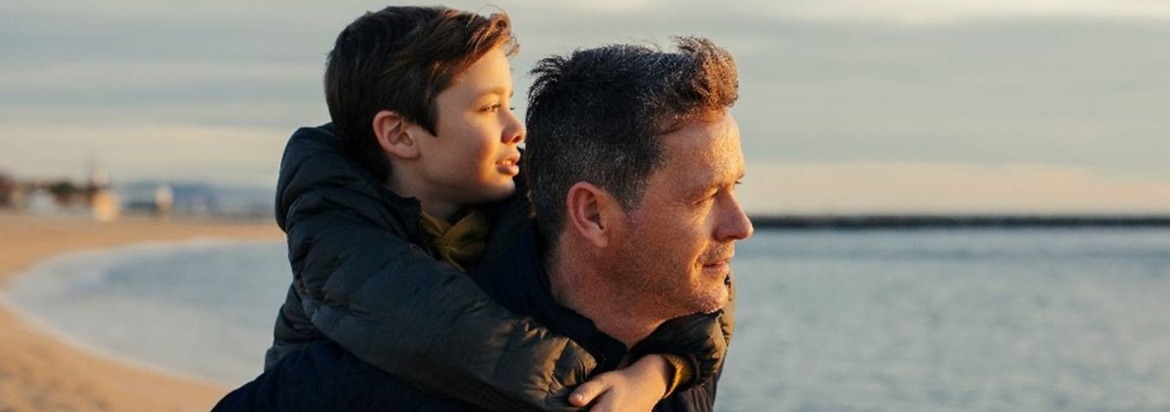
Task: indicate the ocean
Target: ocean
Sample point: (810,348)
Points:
(828,321)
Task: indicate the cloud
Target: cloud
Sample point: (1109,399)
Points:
(895,12)
(843,188)
(1086,94)
(1078,83)
(223,154)
(916,12)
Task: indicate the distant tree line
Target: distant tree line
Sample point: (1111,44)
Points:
(64,192)
(7,189)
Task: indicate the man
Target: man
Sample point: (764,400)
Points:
(633,159)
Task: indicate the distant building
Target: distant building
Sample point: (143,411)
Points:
(40,201)
(164,200)
(105,205)
(172,198)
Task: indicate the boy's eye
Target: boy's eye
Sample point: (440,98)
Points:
(491,107)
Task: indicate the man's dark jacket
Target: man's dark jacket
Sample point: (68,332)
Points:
(362,281)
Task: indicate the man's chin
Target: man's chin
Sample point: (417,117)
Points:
(715,301)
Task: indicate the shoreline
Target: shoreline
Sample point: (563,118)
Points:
(33,298)
(42,368)
(39,325)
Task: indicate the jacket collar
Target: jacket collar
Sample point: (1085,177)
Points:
(519,281)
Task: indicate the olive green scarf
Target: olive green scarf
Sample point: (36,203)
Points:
(461,243)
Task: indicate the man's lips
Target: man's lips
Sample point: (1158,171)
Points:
(717,265)
(720,262)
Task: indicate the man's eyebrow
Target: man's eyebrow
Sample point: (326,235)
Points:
(706,187)
(716,183)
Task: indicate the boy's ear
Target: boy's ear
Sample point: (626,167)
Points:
(394,135)
(592,213)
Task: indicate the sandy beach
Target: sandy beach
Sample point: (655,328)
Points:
(39,372)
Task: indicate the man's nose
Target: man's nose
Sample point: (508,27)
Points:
(734,224)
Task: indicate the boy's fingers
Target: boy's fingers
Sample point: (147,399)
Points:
(586,392)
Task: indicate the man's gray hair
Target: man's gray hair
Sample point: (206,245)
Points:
(597,116)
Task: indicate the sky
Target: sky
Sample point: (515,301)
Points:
(876,106)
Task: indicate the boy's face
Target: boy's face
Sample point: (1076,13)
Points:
(473,156)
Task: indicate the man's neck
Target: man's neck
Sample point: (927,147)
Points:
(578,285)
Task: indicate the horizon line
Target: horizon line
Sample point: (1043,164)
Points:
(959,220)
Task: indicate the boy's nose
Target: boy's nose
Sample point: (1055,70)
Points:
(514,132)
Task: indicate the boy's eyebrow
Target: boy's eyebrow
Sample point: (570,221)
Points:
(495,90)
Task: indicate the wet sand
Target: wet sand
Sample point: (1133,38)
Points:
(39,372)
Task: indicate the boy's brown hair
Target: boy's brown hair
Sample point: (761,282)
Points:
(400,59)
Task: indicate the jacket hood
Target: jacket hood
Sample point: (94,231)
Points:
(315,159)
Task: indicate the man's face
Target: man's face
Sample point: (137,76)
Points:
(472,156)
(677,246)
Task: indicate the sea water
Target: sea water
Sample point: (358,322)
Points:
(929,320)
(952,320)
(204,308)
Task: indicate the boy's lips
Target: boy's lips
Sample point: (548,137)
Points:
(509,165)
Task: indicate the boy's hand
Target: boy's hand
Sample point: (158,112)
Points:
(637,388)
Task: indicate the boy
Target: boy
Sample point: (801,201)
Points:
(419,102)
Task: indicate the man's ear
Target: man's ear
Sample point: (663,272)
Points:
(393,134)
(592,213)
